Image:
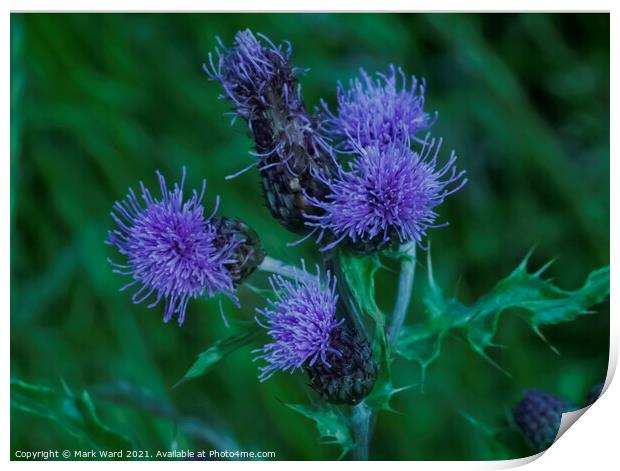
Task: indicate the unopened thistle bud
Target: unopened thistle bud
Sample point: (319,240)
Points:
(388,196)
(377,112)
(306,335)
(175,252)
(262,86)
(538,415)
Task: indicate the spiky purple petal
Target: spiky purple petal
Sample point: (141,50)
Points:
(378,111)
(388,194)
(300,322)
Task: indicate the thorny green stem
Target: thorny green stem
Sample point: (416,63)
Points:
(405,290)
(272,265)
(362,415)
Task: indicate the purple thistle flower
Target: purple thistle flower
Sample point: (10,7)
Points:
(300,322)
(262,86)
(377,112)
(173,250)
(248,72)
(386,196)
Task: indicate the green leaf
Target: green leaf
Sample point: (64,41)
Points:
(360,275)
(74,413)
(211,357)
(541,302)
(332,425)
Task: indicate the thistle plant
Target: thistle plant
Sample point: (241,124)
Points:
(363,183)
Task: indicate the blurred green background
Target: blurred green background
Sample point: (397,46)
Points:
(99,102)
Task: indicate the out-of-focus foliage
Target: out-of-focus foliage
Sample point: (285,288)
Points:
(99,102)
(73,413)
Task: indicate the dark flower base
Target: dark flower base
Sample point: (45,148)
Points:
(248,255)
(351,375)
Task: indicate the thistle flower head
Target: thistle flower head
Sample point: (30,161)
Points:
(538,415)
(387,195)
(377,112)
(262,86)
(300,322)
(173,249)
(249,71)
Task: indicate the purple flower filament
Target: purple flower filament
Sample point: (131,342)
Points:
(378,112)
(388,194)
(300,322)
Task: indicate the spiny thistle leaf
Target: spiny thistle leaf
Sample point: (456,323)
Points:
(543,304)
(74,413)
(332,425)
(381,395)
(360,275)
(211,357)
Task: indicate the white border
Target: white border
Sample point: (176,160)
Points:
(592,443)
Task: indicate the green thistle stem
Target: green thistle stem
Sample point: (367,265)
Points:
(272,265)
(405,290)
(362,415)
